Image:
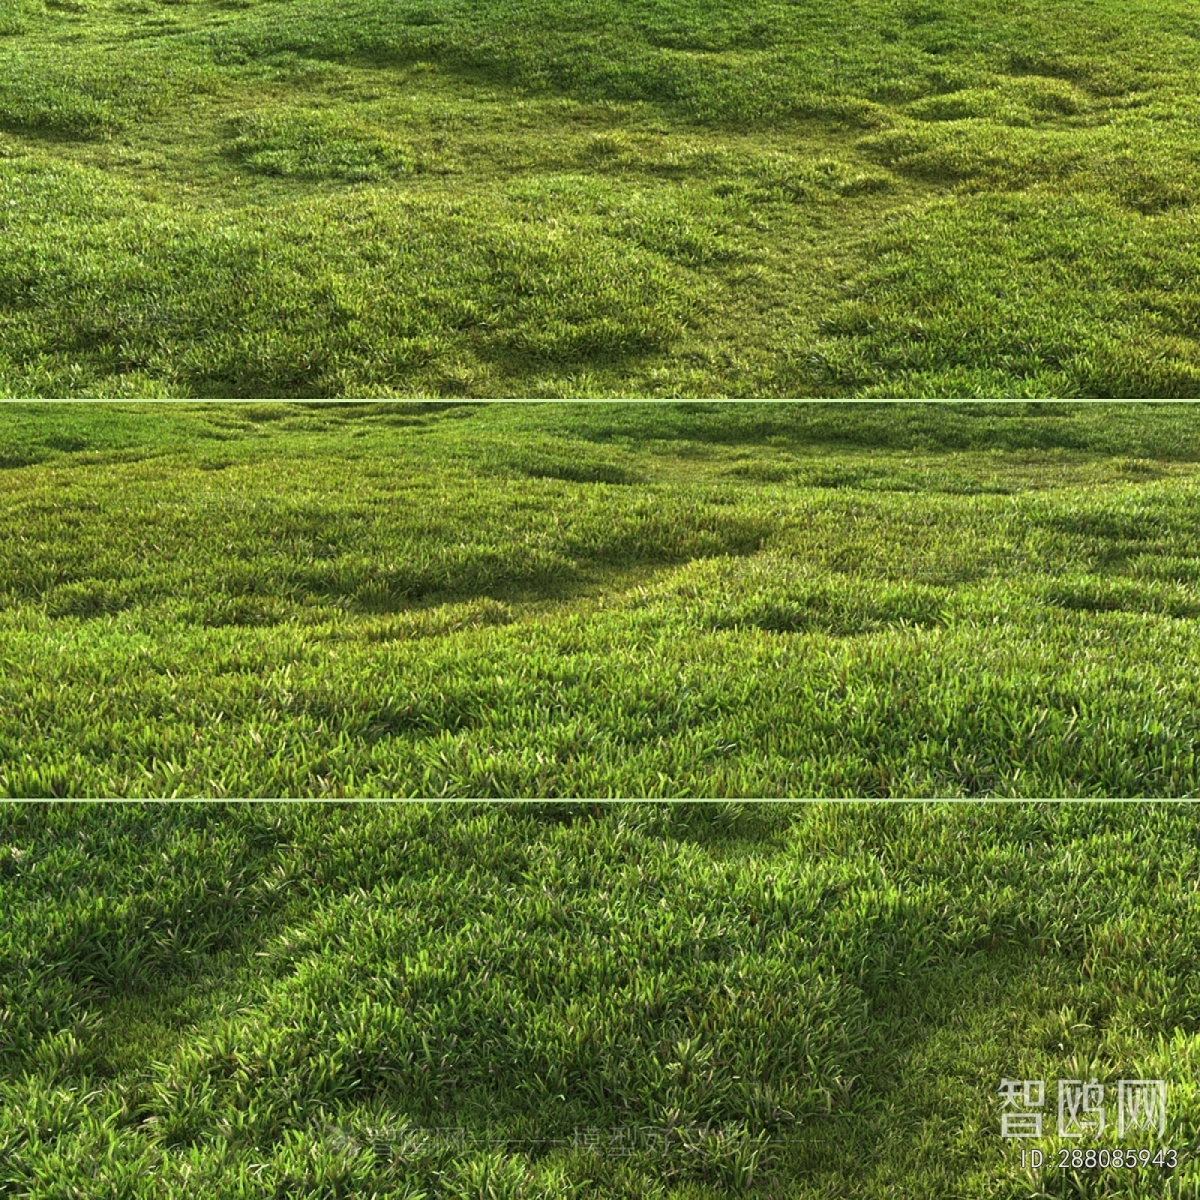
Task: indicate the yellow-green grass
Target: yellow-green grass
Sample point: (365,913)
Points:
(780,1001)
(451,198)
(600,601)
(556,602)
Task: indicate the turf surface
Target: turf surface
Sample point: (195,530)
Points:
(498,1002)
(260,198)
(600,601)
(540,1000)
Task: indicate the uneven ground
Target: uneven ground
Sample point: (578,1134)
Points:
(640,1001)
(600,600)
(611,1001)
(653,198)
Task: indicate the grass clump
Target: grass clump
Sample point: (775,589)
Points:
(311,145)
(923,304)
(259,315)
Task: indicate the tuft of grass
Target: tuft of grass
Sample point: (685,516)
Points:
(206,307)
(314,145)
(923,304)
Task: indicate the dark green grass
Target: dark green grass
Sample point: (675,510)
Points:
(265,1001)
(453,198)
(510,600)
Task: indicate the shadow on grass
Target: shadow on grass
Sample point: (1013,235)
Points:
(918,427)
(941,1040)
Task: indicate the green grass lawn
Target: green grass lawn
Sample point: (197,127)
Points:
(555,602)
(649,1002)
(537,198)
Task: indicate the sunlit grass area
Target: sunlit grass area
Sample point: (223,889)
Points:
(600,600)
(687,1002)
(450,198)
(577,607)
